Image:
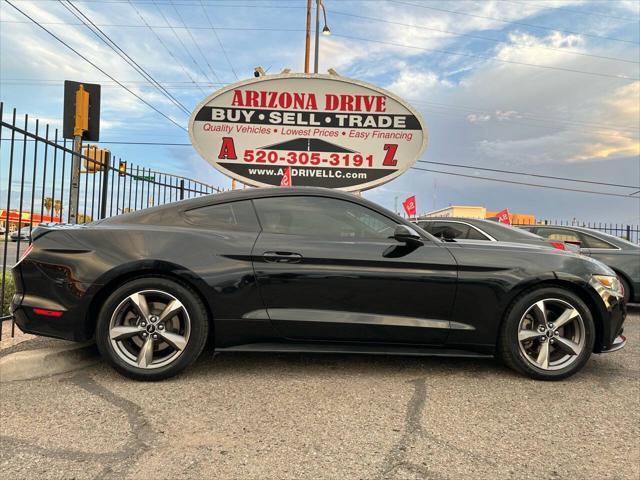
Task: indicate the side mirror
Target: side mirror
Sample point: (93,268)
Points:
(407,235)
(577,243)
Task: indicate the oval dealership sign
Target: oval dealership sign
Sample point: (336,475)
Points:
(332,131)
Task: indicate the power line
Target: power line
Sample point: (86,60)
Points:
(480,37)
(175,34)
(178,62)
(444,52)
(206,60)
(122,54)
(513,182)
(96,66)
(495,59)
(455,110)
(526,174)
(224,52)
(590,14)
(174,27)
(515,23)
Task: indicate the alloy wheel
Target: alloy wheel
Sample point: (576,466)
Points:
(551,334)
(149,329)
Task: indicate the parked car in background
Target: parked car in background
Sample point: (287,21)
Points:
(309,269)
(473,229)
(23,233)
(619,254)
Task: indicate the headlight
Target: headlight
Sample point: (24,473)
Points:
(610,283)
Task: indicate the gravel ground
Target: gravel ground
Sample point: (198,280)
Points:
(242,416)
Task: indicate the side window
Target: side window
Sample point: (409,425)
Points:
(559,234)
(225,216)
(589,241)
(476,235)
(427,227)
(448,230)
(321,217)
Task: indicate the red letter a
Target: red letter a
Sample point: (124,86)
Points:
(228,149)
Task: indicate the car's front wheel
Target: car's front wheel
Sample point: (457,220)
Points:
(547,334)
(151,328)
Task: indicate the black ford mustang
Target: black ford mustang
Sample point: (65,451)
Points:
(308,269)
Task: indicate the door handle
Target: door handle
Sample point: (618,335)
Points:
(282,257)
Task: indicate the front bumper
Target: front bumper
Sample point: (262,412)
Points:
(612,312)
(619,343)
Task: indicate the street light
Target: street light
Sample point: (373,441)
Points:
(325,31)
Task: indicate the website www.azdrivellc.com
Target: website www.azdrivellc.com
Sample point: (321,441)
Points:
(308,172)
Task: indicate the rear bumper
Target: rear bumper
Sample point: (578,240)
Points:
(71,299)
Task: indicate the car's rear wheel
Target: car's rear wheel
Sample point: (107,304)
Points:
(548,334)
(151,328)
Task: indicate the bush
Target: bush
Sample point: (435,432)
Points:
(9,290)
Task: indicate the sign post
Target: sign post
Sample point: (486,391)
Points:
(105,183)
(81,124)
(81,121)
(328,131)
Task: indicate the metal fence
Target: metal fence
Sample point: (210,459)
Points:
(628,232)
(35,187)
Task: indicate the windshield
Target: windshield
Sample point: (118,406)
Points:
(516,230)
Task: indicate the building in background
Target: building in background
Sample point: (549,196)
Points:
(12,220)
(468,211)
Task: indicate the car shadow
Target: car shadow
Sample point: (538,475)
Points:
(319,364)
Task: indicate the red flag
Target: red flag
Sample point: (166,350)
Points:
(410,206)
(503,216)
(286,178)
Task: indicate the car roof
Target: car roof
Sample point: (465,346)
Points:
(166,211)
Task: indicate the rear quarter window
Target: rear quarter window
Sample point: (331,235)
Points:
(589,241)
(225,216)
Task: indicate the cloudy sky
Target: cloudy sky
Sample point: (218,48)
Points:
(544,87)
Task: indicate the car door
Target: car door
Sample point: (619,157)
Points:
(327,269)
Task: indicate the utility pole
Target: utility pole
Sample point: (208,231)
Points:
(315,57)
(81,125)
(307,49)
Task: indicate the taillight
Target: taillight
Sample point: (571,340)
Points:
(26,252)
(47,313)
(558,245)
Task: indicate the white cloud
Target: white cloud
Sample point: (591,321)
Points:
(478,118)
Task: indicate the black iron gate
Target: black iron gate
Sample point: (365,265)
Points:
(35,173)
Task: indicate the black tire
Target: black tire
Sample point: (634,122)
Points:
(198,328)
(509,346)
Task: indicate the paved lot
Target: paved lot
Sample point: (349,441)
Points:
(312,416)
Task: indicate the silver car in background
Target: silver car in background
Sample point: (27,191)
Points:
(470,230)
(619,254)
